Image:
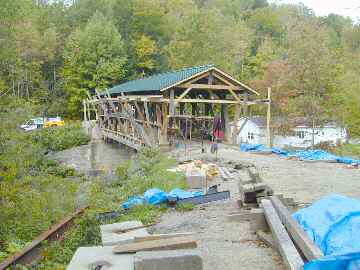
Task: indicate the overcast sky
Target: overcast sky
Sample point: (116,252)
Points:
(349,8)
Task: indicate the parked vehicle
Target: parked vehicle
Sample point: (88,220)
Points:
(37,123)
(54,122)
(33,124)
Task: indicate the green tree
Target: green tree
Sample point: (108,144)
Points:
(206,36)
(94,58)
(145,54)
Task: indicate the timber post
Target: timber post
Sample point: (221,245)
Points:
(268,119)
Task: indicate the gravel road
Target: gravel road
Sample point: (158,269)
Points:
(303,181)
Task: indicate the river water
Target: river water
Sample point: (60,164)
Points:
(95,158)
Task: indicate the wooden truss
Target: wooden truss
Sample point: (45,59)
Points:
(144,120)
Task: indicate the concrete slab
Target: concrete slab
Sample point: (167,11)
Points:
(110,232)
(180,259)
(90,258)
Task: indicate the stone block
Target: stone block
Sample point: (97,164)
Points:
(196,178)
(89,258)
(110,234)
(181,259)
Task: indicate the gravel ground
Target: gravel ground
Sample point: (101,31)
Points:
(223,245)
(231,245)
(303,181)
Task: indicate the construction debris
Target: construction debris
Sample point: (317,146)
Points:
(125,232)
(183,242)
(169,259)
(288,251)
(209,197)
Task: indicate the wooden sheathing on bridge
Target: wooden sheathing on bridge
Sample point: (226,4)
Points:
(153,110)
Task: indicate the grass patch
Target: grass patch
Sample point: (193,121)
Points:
(147,170)
(35,192)
(185,207)
(349,150)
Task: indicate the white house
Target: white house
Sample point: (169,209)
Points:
(254,132)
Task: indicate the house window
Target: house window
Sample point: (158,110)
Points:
(250,135)
(300,134)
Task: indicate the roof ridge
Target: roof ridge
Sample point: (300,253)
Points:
(173,71)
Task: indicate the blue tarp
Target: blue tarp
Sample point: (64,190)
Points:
(334,224)
(303,154)
(156,196)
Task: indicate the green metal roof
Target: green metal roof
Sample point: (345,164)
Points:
(159,81)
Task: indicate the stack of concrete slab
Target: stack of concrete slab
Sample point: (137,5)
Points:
(124,232)
(142,251)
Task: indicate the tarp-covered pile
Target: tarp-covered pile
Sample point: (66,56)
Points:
(334,224)
(303,154)
(156,196)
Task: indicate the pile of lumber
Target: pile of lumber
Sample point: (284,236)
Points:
(291,240)
(129,246)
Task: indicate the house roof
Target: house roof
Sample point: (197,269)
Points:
(163,81)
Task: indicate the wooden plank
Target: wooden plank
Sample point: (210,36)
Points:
(169,244)
(209,86)
(300,237)
(134,228)
(288,251)
(161,236)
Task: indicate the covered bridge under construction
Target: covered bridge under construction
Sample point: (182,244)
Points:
(179,105)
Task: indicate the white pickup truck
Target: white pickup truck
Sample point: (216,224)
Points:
(32,124)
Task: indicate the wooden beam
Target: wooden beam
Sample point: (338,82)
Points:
(301,238)
(268,118)
(147,115)
(183,94)
(288,251)
(161,236)
(215,101)
(165,119)
(235,127)
(140,112)
(169,244)
(172,102)
(234,95)
(236,81)
(209,86)
(158,115)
